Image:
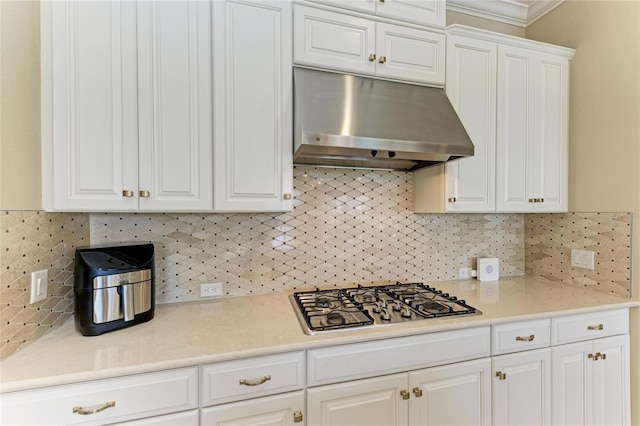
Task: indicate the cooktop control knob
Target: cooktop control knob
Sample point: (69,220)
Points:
(376,308)
(397,306)
(406,312)
(385,315)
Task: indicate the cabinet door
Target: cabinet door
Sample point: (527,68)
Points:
(426,12)
(456,394)
(571,384)
(611,381)
(333,40)
(549,160)
(515,130)
(175,115)
(253,150)
(521,388)
(471,87)
(410,54)
(281,410)
(89,105)
(365,402)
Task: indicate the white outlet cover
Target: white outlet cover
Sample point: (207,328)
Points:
(39,284)
(211,290)
(583,259)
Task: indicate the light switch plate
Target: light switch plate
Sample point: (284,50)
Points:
(583,259)
(39,284)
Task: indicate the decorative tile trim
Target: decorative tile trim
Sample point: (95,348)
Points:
(347,226)
(549,239)
(31,241)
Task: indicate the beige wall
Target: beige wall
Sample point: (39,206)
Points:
(485,24)
(604,131)
(20,187)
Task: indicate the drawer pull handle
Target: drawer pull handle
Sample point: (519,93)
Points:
(596,327)
(93,409)
(255,382)
(528,338)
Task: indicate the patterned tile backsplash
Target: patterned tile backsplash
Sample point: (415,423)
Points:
(347,226)
(549,239)
(31,241)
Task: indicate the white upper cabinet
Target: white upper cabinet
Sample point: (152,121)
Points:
(431,13)
(174,104)
(342,42)
(532,131)
(253,149)
(126,106)
(512,97)
(89,105)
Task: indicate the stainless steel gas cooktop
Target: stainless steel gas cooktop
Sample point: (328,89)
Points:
(339,309)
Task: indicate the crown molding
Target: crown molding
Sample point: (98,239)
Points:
(514,12)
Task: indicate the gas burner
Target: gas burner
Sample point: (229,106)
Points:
(337,309)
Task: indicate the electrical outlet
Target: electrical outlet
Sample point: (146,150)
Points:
(583,259)
(211,290)
(39,281)
(465,272)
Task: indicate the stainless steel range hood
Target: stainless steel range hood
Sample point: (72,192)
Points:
(343,120)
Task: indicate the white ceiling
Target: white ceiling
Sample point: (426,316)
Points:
(514,12)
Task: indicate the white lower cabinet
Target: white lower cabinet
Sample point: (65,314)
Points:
(591,382)
(346,387)
(432,396)
(114,400)
(521,388)
(279,410)
(375,401)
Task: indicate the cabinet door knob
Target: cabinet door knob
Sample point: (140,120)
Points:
(372,57)
(127,193)
(297,417)
(528,338)
(417,392)
(532,200)
(382,59)
(87,411)
(404,394)
(500,375)
(287,196)
(145,194)
(452,199)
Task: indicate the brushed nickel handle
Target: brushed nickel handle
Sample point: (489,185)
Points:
(382,59)
(372,57)
(287,196)
(297,417)
(127,193)
(528,338)
(452,199)
(417,392)
(145,194)
(93,409)
(500,375)
(404,394)
(595,327)
(255,382)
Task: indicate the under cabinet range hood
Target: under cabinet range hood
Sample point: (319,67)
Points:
(348,121)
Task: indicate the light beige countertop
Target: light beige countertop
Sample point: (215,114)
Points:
(192,333)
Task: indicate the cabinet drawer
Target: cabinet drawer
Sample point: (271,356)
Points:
(574,328)
(250,378)
(132,397)
(520,336)
(368,359)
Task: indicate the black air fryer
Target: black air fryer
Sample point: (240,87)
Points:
(114,287)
